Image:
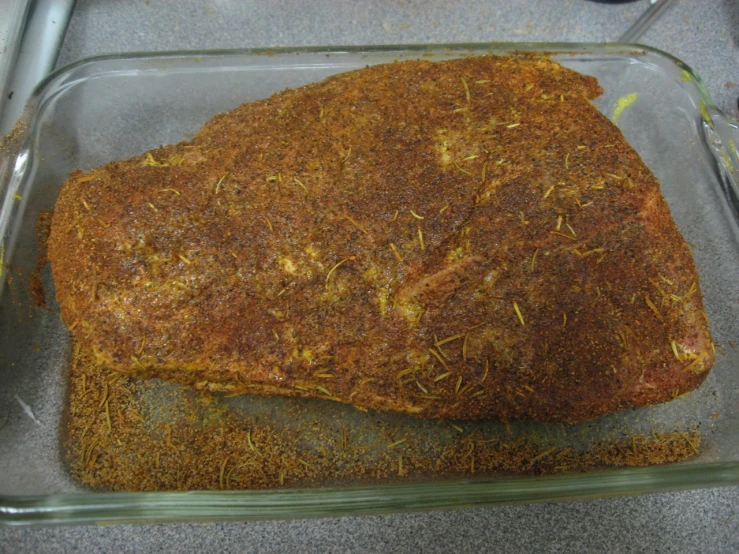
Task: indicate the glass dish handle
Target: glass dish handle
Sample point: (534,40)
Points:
(721,132)
(11,146)
(14,158)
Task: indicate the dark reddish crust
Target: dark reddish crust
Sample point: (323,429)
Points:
(207,262)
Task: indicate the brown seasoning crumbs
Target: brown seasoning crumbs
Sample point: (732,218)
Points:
(112,443)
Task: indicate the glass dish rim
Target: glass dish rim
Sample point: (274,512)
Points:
(120,507)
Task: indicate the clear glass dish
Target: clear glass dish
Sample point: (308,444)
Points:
(114,107)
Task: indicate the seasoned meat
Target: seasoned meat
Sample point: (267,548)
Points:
(460,239)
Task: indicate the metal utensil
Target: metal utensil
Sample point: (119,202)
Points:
(656,9)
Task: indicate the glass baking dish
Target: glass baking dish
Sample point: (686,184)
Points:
(114,107)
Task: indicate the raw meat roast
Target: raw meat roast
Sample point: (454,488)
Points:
(460,239)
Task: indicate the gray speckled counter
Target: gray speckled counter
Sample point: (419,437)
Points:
(703,34)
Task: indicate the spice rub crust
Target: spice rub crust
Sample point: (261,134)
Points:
(459,239)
